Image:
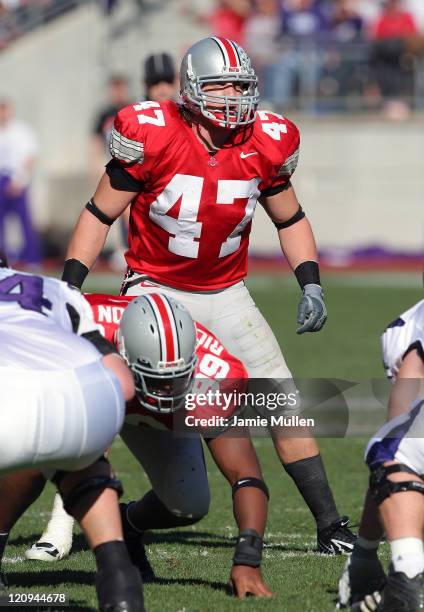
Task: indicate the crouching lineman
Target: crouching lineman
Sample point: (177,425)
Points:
(59,379)
(395,456)
(168,354)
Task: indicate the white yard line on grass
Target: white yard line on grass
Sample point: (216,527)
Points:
(13,559)
(291,554)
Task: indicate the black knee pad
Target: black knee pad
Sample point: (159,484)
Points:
(381,487)
(94,483)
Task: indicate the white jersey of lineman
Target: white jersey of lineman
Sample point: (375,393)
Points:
(404,334)
(60,406)
(38,316)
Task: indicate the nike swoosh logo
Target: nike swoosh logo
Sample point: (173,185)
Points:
(244,155)
(341,545)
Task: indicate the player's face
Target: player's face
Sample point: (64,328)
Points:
(233,90)
(221,99)
(161,392)
(168,387)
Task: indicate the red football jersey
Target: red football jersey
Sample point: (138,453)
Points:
(191,220)
(214,362)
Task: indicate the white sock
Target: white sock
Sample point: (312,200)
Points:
(408,556)
(61,525)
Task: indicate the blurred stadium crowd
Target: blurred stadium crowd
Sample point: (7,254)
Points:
(331,55)
(20,16)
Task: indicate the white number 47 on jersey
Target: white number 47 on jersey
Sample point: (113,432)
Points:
(158,119)
(272,128)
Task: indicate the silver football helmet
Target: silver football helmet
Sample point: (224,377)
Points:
(219,60)
(157,338)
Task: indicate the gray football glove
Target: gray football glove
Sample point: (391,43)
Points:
(311,312)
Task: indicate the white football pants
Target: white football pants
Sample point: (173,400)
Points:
(58,420)
(175,466)
(236,321)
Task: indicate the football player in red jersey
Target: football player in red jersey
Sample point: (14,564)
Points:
(193,172)
(165,349)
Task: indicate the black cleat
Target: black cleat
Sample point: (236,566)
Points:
(401,594)
(337,538)
(136,550)
(120,590)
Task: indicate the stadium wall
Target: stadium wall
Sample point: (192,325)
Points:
(360,181)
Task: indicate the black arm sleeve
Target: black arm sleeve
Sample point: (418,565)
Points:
(120,179)
(74,273)
(307,273)
(102,345)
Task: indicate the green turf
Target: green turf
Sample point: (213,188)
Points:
(193,564)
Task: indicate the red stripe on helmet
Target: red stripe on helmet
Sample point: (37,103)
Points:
(168,336)
(231,52)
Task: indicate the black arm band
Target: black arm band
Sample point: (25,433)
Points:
(250,482)
(91,207)
(248,549)
(296,217)
(307,273)
(102,345)
(74,272)
(270,191)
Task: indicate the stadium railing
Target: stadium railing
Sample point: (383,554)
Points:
(335,77)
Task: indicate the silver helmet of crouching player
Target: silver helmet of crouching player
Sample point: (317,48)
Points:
(219,60)
(157,338)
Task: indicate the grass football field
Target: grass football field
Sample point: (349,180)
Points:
(192,564)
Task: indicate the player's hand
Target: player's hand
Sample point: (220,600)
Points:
(245,580)
(311,312)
